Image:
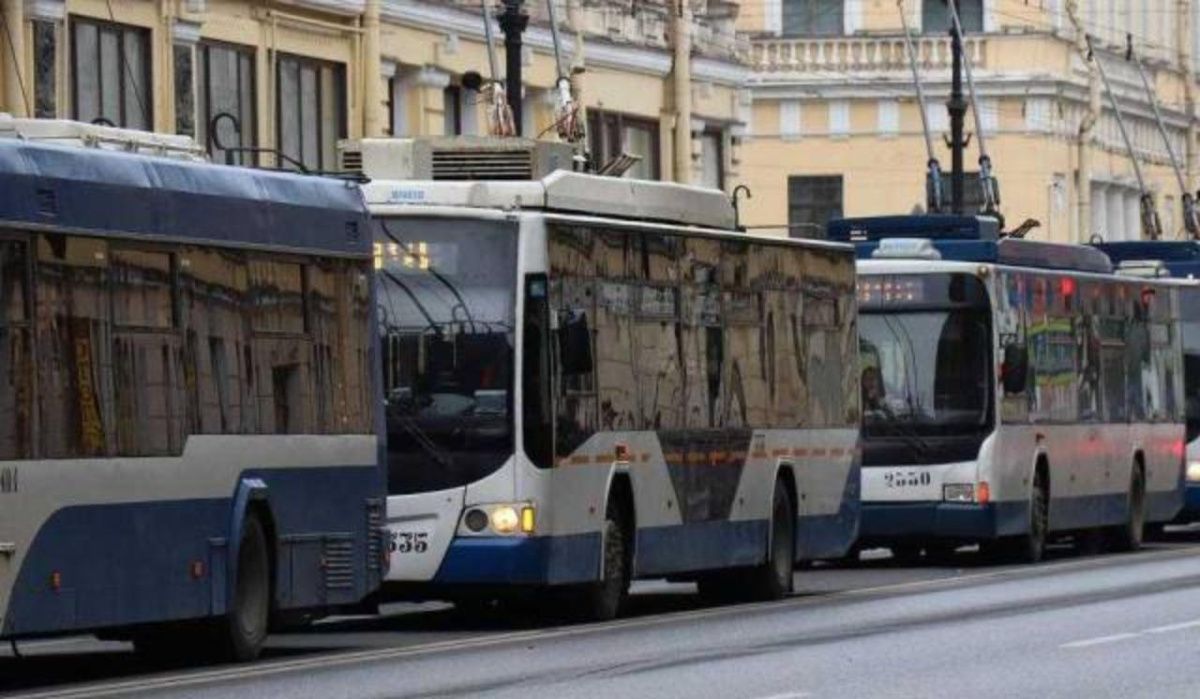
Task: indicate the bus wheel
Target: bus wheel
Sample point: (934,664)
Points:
(240,634)
(1031,546)
(773,579)
(604,599)
(1128,536)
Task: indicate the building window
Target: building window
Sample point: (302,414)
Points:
(460,112)
(812,17)
(110,73)
(397,106)
(310,111)
(839,118)
(185,90)
(225,86)
(712,157)
(791,119)
(889,117)
(935,16)
(812,203)
(45,84)
(611,134)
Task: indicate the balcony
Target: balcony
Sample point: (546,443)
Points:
(846,54)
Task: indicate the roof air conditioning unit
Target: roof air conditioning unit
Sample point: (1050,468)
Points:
(455,158)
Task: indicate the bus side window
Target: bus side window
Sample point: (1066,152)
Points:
(74,342)
(16,362)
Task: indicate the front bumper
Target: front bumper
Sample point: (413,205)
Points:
(1191,504)
(882,522)
(518,560)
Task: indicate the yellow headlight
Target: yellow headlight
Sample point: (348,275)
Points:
(505,520)
(1193,471)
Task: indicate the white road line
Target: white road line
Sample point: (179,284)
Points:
(1174,627)
(788,695)
(1099,640)
(202,677)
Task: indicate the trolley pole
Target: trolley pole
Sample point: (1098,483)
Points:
(957,106)
(513,22)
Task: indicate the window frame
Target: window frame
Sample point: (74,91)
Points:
(603,124)
(122,29)
(340,73)
(202,78)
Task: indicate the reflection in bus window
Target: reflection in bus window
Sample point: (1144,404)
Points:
(16,389)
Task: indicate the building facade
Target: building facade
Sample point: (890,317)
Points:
(292,77)
(835,126)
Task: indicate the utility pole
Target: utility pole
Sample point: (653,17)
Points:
(513,22)
(957,106)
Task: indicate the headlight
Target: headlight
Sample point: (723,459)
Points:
(1193,471)
(958,492)
(505,519)
(500,518)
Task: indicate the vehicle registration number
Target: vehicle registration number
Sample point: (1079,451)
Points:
(907,479)
(404,541)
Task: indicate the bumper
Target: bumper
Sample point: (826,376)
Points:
(1191,505)
(543,560)
(891,521)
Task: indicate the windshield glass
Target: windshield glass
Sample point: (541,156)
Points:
(446,290)
(1190,312)
(925,372)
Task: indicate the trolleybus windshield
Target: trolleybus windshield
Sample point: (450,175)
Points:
(446,290)
(925,357)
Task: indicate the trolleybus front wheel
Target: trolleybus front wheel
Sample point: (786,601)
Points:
(239,635)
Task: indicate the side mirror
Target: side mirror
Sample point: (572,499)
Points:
(575,345)
(1014,372)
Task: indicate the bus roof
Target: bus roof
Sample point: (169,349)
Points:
(1180,258)
(113,194)
(570,192)
(963,239)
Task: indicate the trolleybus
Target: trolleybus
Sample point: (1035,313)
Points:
(1179,260)
(188,393)
(592,379)
(1013,390)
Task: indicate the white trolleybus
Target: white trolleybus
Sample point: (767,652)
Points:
(1013,390)
(592,379)
(1178,260)
(188,446)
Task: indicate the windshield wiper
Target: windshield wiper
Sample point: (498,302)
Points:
(423,440)
(436,275)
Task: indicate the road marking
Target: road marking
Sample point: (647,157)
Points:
(333,660)
(1100,640)
(1174,627)
(788,695)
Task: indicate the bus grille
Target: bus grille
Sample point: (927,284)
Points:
(338,563)
(376,536)
(483,164)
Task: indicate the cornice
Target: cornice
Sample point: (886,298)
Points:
(599,52)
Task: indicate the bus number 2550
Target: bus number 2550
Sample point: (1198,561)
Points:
(907,479)
(410,542)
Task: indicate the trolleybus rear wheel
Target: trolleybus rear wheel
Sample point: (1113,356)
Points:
(240,634)
(770,580)
(1128,536)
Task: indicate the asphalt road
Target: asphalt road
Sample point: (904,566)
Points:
(1117,625)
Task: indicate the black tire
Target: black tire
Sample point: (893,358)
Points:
(1129,535)
(240,634)
(1029,547)
(773,579)
(604,599)
(906,554)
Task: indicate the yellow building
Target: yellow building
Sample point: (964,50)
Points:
(836,126)
(297,75)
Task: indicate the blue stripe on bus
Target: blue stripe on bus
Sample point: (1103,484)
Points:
(884,521)
(540,560)
(1191,505)
(130,563)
